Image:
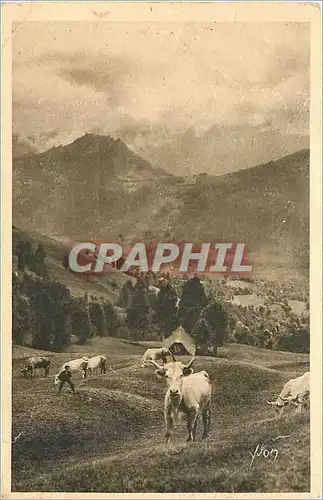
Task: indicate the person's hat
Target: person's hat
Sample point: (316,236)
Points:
(67,367)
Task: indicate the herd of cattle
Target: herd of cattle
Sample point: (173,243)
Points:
(188,393)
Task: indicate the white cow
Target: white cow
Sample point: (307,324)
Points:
(296,392)
(188,394)
(154,355)
(97,362)
(76,365)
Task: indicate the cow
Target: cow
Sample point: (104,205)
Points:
(36,363)
(77,365)
(296,392)
(154,354)
(97,362)
(188,394)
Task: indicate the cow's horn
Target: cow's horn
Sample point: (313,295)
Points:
(159,367)
(190,363)
(270,402)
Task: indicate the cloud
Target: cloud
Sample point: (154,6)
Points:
(81,77)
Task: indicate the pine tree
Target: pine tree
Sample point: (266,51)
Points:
(97,317)
(192,302)
(166,308)
(112,322)
(81,324)
(137,313)
(126,295)
(212,328)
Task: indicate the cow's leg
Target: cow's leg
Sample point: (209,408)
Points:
(46,371)
(33,372)
(299,407)
(191,423)
(194,428)
(206,415)
(169,421)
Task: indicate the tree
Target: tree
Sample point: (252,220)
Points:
(81,324)
(137,313)
(166,309)
(21,317)
(24,254)
(97,317)
(39,260)
(212,327)
(126,295)
(295,340)
(50,303)
(61,300)
(192,302)
(202,334)
(112,322)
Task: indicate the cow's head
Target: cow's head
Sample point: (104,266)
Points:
(24,371)
(173,373)
(279,404)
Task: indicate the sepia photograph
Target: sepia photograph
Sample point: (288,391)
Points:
(160,326)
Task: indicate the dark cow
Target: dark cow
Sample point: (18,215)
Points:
(36,363)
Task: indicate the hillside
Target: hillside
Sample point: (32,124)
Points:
(97,188)
(222,148)
(84,188)
(107,286)
(93,441)
(21,147)
(70,444)
(267,207)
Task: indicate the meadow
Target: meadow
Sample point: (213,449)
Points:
(109,436)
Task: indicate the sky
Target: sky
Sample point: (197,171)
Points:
(73,78)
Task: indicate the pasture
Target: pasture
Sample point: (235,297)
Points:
(109,436)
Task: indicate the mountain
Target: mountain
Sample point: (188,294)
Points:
(96,187)
(21,147)
(82,188)
(219,150)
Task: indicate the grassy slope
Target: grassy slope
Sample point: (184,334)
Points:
(109,436)
(77,284)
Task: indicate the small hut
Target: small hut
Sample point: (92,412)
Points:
(180,342)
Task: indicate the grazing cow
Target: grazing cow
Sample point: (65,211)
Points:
(36,363)
(188,394)
(77,365)
(97,362)
(295,392)
(155,354)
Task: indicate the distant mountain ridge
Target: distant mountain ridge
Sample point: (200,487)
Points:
(218,150)
(96,187)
